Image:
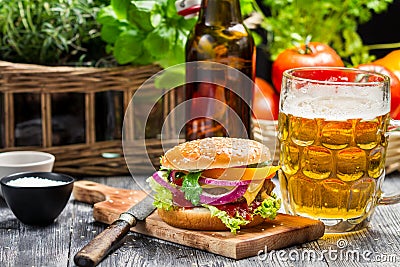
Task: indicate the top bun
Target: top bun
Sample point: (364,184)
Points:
(215,152)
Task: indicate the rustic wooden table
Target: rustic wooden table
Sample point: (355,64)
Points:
(56,244)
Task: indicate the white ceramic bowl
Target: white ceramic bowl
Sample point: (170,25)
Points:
(23,161)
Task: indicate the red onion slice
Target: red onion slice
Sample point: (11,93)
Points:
(178,196)
(211,181)
(221,199)
(205,198)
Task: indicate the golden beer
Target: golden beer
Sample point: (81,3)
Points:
(332,169)
(333,136)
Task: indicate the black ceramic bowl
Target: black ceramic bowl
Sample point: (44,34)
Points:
(37,205)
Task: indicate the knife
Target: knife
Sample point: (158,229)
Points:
(106,241)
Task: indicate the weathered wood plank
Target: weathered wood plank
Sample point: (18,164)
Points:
(25,245)
(56,244)
(285,230)
(84,228)
(136,249)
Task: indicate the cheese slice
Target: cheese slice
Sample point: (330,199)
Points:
(252,190)
(256,185)
(260,173)
(257,175)
(244,173)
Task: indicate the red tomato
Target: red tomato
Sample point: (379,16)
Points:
(394,86)
(311,55)
(265,101)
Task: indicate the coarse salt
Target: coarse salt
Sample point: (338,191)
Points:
(34,182)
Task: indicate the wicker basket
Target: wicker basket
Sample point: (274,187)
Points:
(265,131)
(89,156)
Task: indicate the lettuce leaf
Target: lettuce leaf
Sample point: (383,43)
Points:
(269,207)
(191,187)
(163,197)
(268,210)
(233,223)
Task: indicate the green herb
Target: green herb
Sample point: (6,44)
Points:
(141,32)
(333,22)
(144,32)
(53,32)
(162,197)
(247,7)
(191,187)
(269,207)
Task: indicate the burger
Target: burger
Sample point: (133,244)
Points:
(216,183)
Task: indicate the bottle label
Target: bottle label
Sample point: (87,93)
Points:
(188,8)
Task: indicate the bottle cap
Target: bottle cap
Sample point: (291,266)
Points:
(188,8)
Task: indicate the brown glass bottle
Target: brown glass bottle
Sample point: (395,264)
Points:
(219,95)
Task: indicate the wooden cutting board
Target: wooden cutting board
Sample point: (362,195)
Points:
(284,231)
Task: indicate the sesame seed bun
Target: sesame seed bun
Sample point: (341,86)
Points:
(215,152)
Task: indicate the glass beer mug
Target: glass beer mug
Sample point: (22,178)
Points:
(333,134)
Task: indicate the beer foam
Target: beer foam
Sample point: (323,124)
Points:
(336,103)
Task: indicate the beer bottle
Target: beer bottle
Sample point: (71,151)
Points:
(214,108)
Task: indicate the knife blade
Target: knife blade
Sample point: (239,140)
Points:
(106,241)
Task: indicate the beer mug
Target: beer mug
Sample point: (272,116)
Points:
(333,135)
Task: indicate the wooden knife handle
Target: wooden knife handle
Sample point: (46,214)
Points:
(103,243)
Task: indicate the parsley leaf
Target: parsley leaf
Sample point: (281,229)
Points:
(191,187)
(333,22)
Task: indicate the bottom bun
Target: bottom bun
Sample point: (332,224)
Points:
(199,218)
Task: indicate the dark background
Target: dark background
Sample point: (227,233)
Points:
(382,28)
